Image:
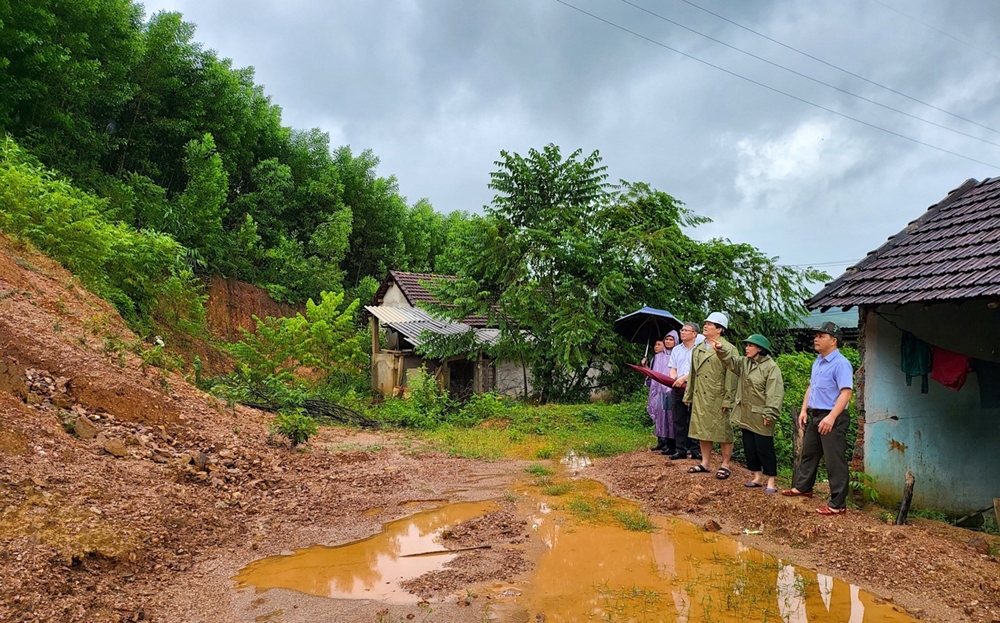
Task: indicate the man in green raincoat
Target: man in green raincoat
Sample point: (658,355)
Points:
(710,392)
(757,406)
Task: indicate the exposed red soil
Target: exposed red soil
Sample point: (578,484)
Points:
(162,493)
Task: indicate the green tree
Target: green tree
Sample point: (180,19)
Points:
(561,253)
(378,214)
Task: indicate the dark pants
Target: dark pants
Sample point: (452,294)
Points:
(760,453)
(833,448)
(682,420)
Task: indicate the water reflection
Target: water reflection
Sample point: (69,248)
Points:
(589,567)
(372,568)
(678,573)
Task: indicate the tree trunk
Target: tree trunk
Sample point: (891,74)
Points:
(904,508)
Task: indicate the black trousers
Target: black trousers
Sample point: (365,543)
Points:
(682,421)
(760,453)
(832,448)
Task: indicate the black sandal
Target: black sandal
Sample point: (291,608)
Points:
(698,469)
(723,473)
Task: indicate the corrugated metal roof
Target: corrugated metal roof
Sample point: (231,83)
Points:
(411,322)
(398,314)
(950,253)
(413,287)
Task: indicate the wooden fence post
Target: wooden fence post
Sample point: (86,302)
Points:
(904,508)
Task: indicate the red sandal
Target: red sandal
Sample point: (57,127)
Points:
(792,493)
(826,510)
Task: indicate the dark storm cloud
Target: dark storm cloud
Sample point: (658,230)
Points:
(437,88)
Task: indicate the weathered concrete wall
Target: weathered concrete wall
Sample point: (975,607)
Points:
(944,437)
(233,304)
(394,298)
(510,379)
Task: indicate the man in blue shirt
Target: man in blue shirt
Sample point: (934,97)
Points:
(825,420)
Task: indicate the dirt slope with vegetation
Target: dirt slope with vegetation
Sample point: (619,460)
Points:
(127,495)
(118,482)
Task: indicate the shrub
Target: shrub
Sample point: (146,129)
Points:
(295,426)
(136,271)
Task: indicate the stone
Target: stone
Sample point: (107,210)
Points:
(84,428)
(712,526)
(159,456)
(200,460)
(979,544)
(115,447)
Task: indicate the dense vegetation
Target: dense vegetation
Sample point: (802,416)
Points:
(144,163)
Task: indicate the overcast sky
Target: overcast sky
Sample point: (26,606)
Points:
(436,88)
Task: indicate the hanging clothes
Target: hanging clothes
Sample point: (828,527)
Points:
(915,359)
(949,369)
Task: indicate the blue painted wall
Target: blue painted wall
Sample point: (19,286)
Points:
(944,437)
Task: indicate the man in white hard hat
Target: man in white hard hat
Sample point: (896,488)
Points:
(710,391)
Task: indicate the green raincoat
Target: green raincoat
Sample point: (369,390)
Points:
(711,388)
(759,392)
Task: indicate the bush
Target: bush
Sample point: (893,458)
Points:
(429,399)
(295,426)
(481,407)
(136,271)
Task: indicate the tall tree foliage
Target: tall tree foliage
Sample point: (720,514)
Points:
(562,252)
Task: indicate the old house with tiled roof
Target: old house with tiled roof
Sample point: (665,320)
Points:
(399,323)
(928,302)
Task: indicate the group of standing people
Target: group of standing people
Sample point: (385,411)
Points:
(717,390)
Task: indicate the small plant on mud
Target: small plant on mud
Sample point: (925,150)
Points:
(561,488)
(538,470)
(294,425)
(634,520)
(864,485)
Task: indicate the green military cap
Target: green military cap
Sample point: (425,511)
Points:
(759,340)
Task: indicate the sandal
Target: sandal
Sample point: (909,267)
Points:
(751,484)
(697,469)
(793,493)
(826,510)
(770,490)
(723,473)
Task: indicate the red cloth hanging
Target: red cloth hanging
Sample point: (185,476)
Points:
(949,369)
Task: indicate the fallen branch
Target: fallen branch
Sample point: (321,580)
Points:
(447,551)
(317,408)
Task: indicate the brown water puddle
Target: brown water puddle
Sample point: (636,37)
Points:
(589,567)
(369,569)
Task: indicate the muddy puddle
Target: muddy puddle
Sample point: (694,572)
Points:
(596,558)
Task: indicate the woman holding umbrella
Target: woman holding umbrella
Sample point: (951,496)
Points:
(658,405)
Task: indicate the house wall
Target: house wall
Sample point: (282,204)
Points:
(386,372)
(394,298)
(944,437)
(510,379)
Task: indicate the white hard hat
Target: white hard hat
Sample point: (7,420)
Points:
(718,318)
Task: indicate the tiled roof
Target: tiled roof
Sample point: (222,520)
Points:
(413,287)
(952,252)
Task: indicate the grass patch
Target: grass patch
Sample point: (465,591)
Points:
(634,520)
(547,432)
(561,488)
(538,470)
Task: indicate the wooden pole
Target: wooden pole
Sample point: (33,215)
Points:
(996,509)
(797,442)
(904,508)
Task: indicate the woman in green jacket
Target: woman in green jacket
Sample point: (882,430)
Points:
(757,405)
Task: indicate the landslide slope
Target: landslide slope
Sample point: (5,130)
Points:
(116,479)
